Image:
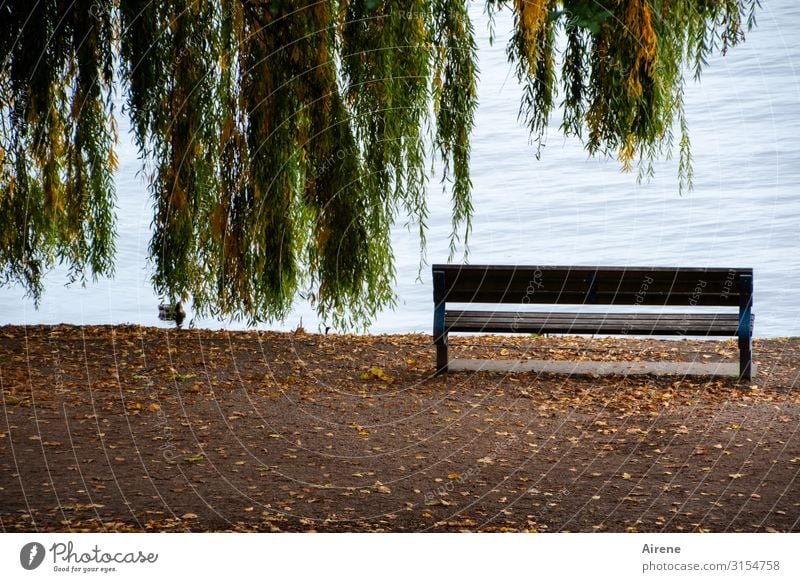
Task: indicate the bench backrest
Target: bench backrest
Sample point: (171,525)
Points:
(593,285)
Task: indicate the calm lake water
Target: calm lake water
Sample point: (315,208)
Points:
(744,210)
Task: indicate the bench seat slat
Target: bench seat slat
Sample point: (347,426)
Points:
(521,296)
(590,285)
(592,323)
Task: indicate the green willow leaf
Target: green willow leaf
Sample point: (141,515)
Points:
(282,140)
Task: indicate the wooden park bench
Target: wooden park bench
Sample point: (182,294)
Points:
(689,288)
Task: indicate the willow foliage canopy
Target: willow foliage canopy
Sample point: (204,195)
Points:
(281,140)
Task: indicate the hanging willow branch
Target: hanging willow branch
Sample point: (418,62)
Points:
(283,139)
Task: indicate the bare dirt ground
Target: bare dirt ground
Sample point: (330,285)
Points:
(142,429)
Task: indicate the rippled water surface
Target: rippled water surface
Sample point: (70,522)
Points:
(565,208)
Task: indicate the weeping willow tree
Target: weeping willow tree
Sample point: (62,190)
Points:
(281,140)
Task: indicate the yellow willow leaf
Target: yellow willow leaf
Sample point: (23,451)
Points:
(626,475)
(532,14)
(627,153)
(218,221)
(113,161)
(227,130)
(112,124)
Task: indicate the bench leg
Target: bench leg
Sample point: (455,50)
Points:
(439,332)
(745,331)
(745,358)
(441,357)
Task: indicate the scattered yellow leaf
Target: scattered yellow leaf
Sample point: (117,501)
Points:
(181,377)
(377,374)
(381,488)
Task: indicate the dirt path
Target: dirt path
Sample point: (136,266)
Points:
(142,429)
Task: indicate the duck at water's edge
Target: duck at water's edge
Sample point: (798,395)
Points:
(172,312)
